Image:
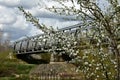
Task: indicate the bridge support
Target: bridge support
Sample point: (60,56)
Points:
(55,58)
(52,58)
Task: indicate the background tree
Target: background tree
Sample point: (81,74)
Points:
(4,41)
(105,28)
(1,36)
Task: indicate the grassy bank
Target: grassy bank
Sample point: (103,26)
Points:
(13,69)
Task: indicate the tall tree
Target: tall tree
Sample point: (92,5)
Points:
(105,26)
(106,22)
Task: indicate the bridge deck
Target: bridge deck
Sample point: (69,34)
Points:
(44,42)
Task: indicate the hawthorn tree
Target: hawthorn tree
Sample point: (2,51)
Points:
(97,61)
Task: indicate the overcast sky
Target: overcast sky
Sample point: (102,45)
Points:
(14,25)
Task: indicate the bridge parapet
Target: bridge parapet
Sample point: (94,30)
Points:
(45,41)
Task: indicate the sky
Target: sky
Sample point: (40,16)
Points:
(14,26)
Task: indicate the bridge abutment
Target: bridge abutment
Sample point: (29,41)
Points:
(55,58)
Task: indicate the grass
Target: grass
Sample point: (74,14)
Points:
(13,69)
(4,54)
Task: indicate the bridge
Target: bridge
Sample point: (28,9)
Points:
(46,43)
(58,42)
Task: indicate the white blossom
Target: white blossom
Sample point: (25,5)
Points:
(97,68)
(90,65)
(86,63)
(93,60)
(98,76)
(84,57)
(109,72)
(98,64)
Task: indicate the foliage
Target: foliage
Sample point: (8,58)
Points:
(46,57)
(4,54)
(104,29)
(13,69)
(100,66)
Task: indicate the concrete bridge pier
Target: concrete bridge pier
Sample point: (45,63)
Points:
(55,57)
